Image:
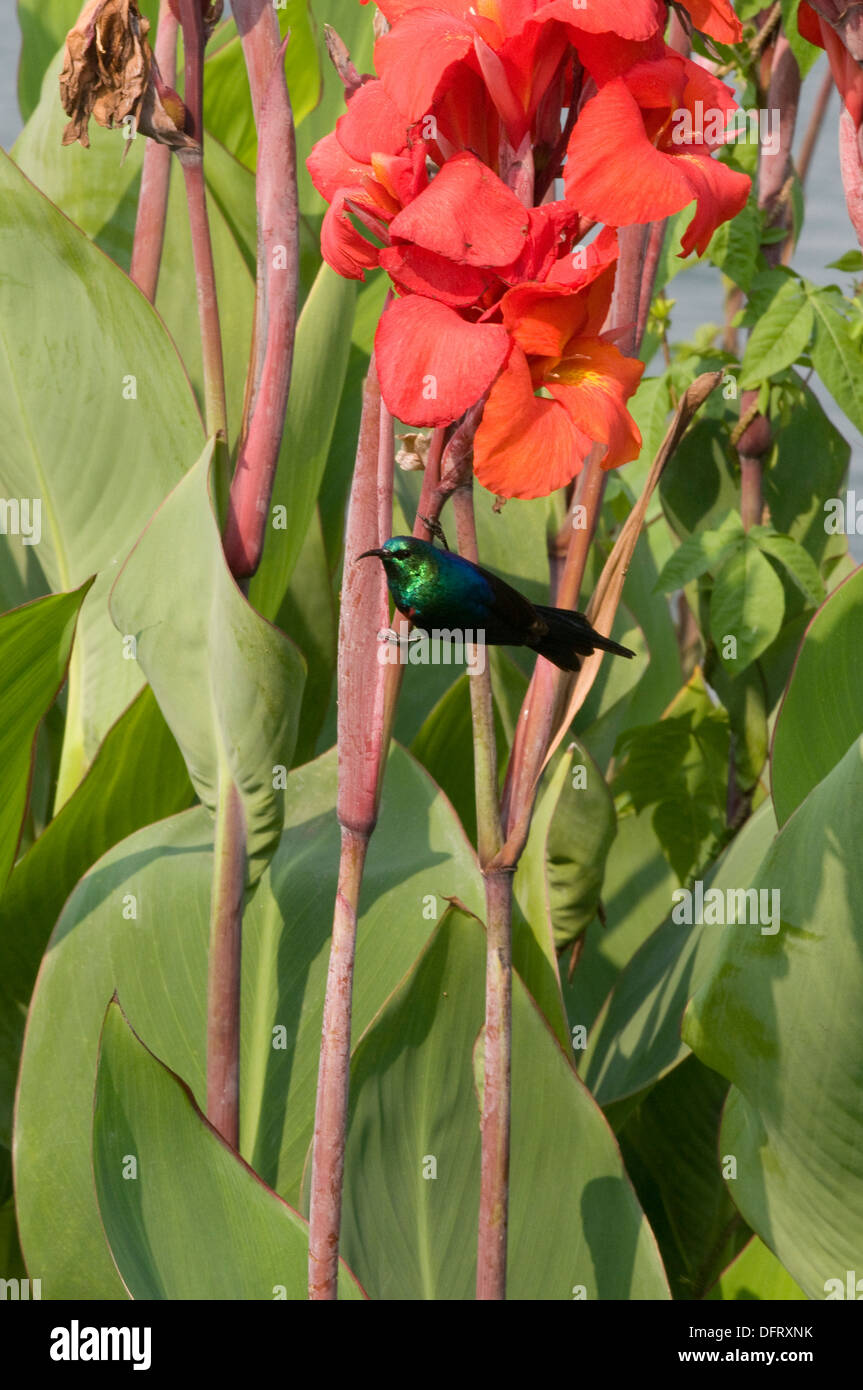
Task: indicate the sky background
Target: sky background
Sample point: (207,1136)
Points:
(826,234)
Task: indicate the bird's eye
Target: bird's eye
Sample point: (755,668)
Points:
(401,553)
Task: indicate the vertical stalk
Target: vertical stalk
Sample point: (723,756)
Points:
(215,411)
(229,848)
(494,1163)
(223,987)
(497,1098)
(366,703)
(331,1110)
(192,162)
(156,174)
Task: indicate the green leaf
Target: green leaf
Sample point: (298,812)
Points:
(444,745)
(650,409)
(141,914)
(809,466)
(679,765)
(735,244)
(670,1147)
(100,194)
(76,336)
(851,261)
(224,1236)
(780,335)
(701,553)
(636,1039)
(779,1015)
(408,1234)
(747,605)
(308,615)
(320,363)
(228,683)
(822,711)
(798,562)
(35,643)
(635,895)
(756,1274)
(137,777)
(697,487)
(836,356)
(582,830)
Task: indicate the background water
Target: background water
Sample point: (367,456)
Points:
(827,232)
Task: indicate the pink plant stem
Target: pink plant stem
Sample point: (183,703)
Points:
(851,166)
(229,850)
(494,1163)
(192,162)
(223,1005)
(365,705)
(271,359)
(331,1111)
(156,174)
(497,1101)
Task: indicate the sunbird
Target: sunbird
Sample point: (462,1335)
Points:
(437,589)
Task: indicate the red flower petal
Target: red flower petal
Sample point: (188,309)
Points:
(610,139)
(372,124)
(716,18)
(542,318)
(414,269)
(582,265)
(331,167)
(467,214)
(414,56)
(342,246)
(720,192)
(550,226)
(432,364)
(526,445)
(637,19)
(594,383)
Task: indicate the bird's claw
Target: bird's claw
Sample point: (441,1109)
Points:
(435,529)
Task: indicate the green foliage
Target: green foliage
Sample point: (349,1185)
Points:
(686,1087)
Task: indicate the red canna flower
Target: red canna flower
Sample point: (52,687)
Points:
(516,45)
(529,445)
(716,18)
(368,167)
(846,70)
(660,119)
(434,362)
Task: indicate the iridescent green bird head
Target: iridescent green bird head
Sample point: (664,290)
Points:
(405,557)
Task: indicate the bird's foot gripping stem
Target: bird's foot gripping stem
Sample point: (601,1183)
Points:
(434,529)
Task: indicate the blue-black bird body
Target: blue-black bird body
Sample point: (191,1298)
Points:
(437,589)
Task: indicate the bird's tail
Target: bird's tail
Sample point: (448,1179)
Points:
(570,636)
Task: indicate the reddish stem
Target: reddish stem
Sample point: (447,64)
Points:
(156,173)
(223,986)
(494,1165)
(271,359)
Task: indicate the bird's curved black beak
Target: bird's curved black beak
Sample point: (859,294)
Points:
(378,554)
